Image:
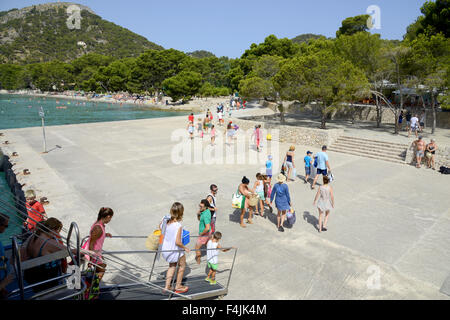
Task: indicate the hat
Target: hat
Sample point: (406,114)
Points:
(420,137)
(308,152)
(281,178)
(270,157)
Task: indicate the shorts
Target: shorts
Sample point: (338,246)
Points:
(261,195)
(212,266)
(408,122)
(422,124)
(322,172)
(289,165)
(203,239)
(414,129)
(308,171)
(420,154)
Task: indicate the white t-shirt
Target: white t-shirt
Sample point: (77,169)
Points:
(169,243)
(414,121)
(212,255)
(220,115)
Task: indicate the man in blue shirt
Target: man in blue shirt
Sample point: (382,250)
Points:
(322,165)
(308,163)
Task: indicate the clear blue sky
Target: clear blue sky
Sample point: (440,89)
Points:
(228,27)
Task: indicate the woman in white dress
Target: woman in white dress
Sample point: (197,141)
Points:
(325,203)
(172,241)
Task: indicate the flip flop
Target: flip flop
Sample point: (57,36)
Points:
(182,290)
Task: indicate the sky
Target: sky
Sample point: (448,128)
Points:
(228,28)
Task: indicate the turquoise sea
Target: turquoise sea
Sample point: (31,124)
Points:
(23,111)
(7,207)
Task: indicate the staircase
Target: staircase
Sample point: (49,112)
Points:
(380,150)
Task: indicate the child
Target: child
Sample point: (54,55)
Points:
(258,188)
(269,167)
(212,256)
(267,190)
(35,210)
(213,135)
(200,127)
(308,163)
(191,129)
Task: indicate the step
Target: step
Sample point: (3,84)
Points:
(347,138)
(371,152)
(371,144)
(399,160)
(368,148)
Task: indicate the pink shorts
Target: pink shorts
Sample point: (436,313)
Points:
(203,240)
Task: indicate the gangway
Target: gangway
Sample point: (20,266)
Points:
(148,285)
(152,280)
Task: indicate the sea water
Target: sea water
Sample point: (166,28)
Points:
(7,207)
(17,111)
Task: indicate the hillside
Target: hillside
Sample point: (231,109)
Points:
(41,33)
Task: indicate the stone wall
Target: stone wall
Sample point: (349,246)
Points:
(292,134)
(442,119)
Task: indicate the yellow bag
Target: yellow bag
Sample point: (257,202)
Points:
(269,137)
(152,242)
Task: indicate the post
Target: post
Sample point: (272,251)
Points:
(42,115)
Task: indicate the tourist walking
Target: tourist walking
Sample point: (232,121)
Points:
(414,126)
(269,165)
(420,146)
(191,129)
(267,191)
(422,120)
(212,255)
(230,132)
(213,135)
(258,188)
(408,120)
(308,164)
(200,127)
(213,205)
(204,228)
(325,203)
(97,236)
(173,249)
(322,165)
(244,190)
(400,120)
(280,192)
(289,160)
(431,153)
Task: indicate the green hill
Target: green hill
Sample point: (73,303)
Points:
(42,33)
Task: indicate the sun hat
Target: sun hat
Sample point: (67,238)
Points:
(281,178)
(270,157)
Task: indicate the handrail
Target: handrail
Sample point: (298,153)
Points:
(31,263)
(73,225)
(18,265)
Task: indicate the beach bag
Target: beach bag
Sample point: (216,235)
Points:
(290,216)
(253,200)
(444,170)
(185,237)
(330,176)
(236,201)
(152,241)
(269,137)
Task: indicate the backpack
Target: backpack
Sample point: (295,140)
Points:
(444,170)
